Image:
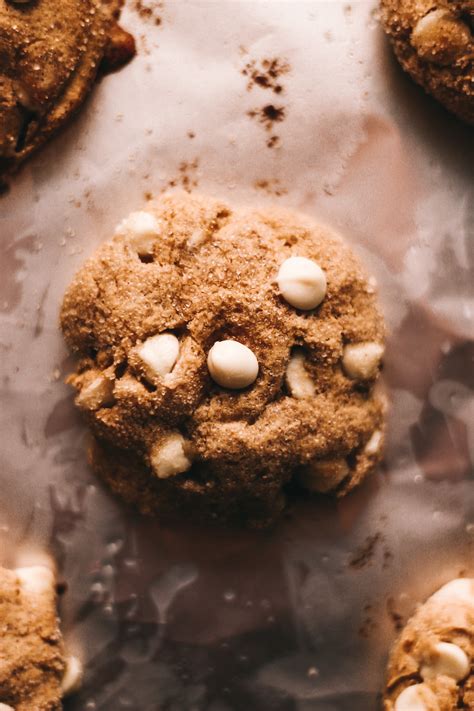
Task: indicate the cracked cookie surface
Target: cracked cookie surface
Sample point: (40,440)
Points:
(431,664)
(434,43)
(297,400)
(50,54)
(32,661)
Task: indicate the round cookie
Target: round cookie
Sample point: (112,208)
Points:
(434,43)
(50,53)
(207,391)
(431,664)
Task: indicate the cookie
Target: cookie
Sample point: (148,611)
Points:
(50,54)
(434,43)
(224,353)
(431,665)
(34,671)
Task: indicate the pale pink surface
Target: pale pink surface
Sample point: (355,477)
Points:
(193,619)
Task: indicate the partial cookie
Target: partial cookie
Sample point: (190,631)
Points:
(50,54)
(434,43)
(431,664)
(34,672)
(222,354)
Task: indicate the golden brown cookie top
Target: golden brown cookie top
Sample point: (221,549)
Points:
(431,665)
(434,42)
(31,652)
(192,350)
(49,57)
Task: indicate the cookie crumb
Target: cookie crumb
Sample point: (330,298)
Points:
(273,142)
(149,10)
(266,74)
(396,617)
(363,556)
(271,186)
(268,116)
(186,178)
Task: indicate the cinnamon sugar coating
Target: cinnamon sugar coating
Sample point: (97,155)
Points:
(50,54)
(434,43)
(446,617)
(32,659)
(210,275)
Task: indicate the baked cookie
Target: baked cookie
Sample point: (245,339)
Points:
(222,354)
(431,664)
(50,54)
(434,43)
(34,672)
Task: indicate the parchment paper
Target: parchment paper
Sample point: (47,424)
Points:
(299,618)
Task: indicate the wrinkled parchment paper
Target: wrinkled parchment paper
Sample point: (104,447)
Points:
(299,618)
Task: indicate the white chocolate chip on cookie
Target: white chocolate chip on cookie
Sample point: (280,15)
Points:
(374,443)
(418,697)
(169,457)
(302,283)
(98,393)
(323,475)
(4,707)
(298,379)
(458,590)
(232,365)
(142,228)
(361,361)
(439,37)
(36,579)
(73,674)
(446,659)
(160,353)
(197,237)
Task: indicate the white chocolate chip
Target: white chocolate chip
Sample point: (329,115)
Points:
(418,697)
(142,228)
(4,707)
(446,660)
(169,457)
(36,579)
(73,674)
(324,474)
(302,283)
(459,590)
(440,37)
(197,237)
(299,381)
(232,365)
(361,361)
(429,23)
(373,445)
(160,353)
(98,393)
